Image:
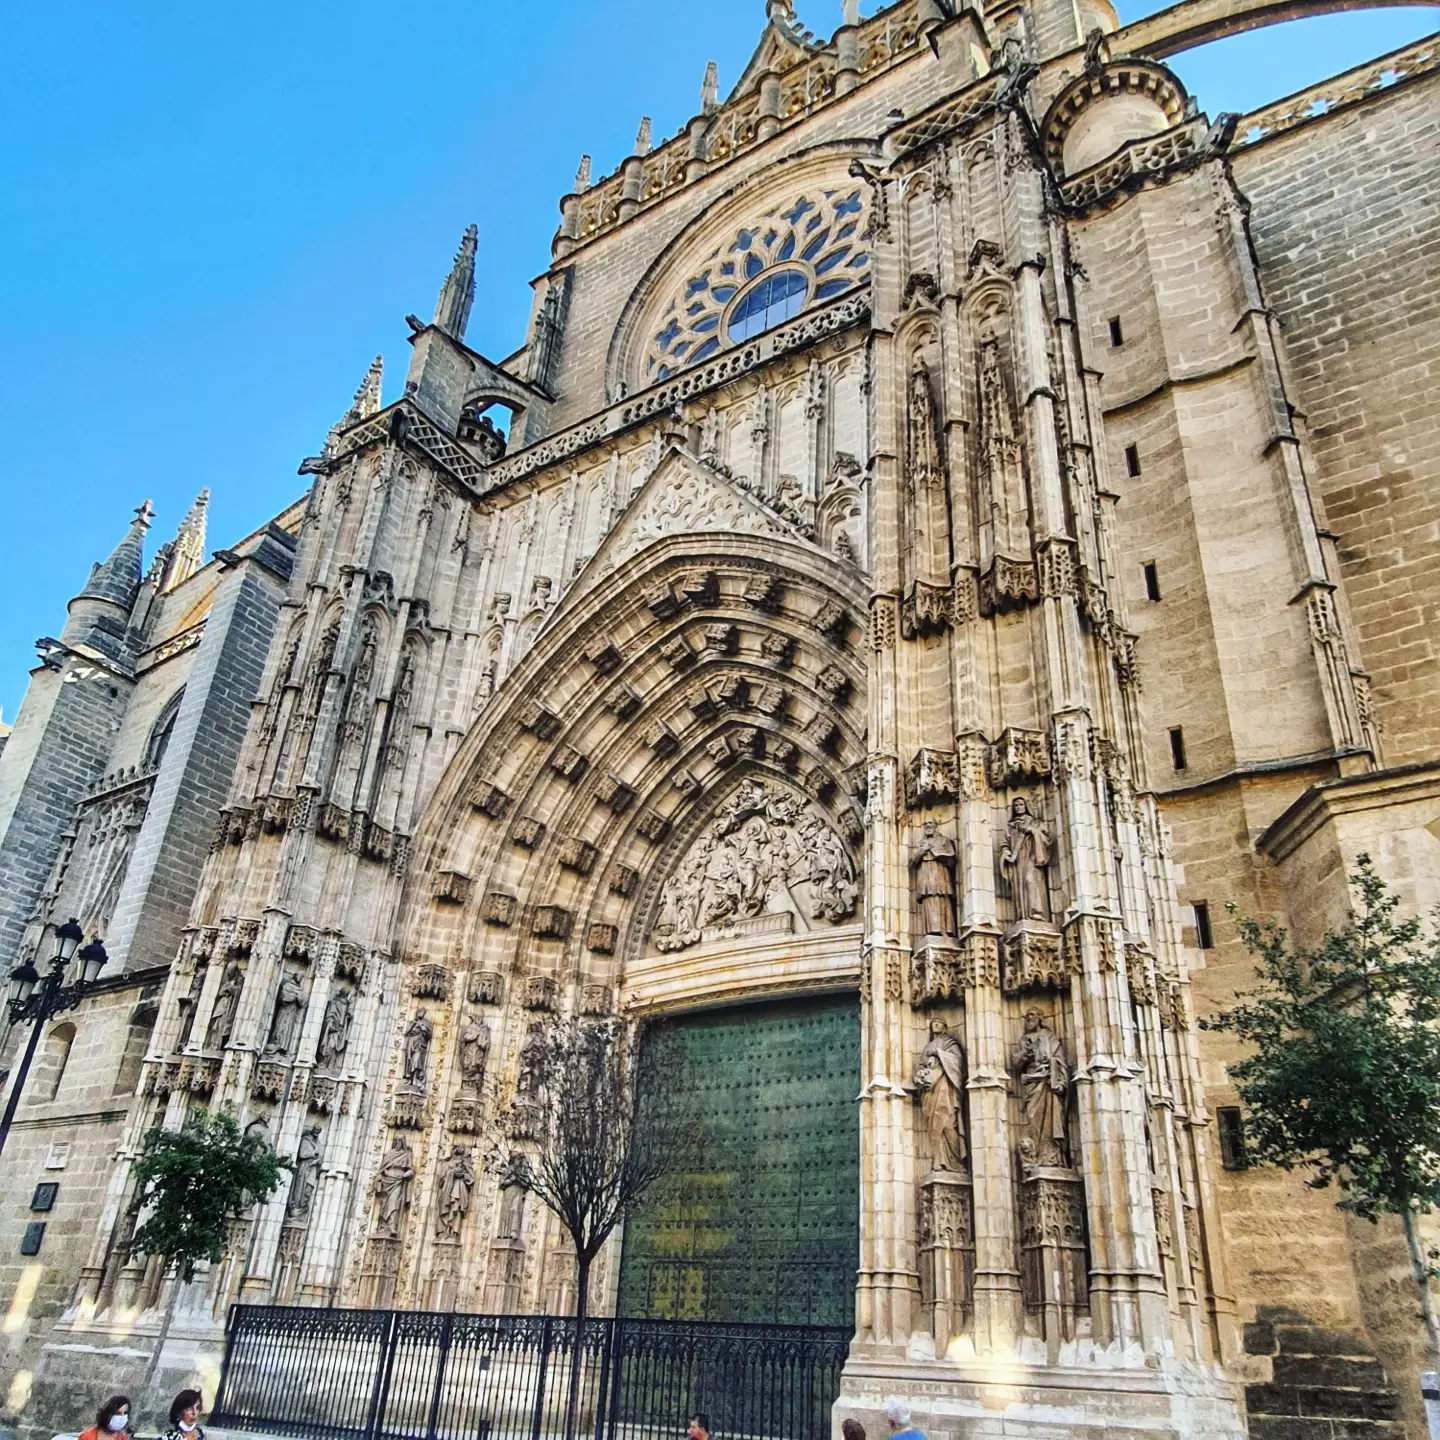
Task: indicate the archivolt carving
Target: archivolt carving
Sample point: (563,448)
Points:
(766,852)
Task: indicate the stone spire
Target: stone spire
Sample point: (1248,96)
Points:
(582,176)
(643,144)
(850,12)
(118,579)
(452,312)
(710,90)
(187,550)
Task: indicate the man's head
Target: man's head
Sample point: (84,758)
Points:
(699,1427)
(897,1414)
(929,827)
(1034,1020)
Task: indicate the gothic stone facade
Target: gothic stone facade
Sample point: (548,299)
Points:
(963,518)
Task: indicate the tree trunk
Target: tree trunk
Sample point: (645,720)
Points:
(160,1339)
(582,1306)
(1420,1265)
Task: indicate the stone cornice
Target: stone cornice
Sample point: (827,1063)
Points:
(1321,804)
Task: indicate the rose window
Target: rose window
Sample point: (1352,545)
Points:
(803,253)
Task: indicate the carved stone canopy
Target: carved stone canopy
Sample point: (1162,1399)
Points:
(768,860)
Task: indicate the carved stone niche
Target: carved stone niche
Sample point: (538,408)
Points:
(529,833)
(1007,584)
(451,887)
(431,982)
(947,1253)
(485,988)
(577,855)
(552,922)
(350,961)
(1053,1263)
(489,799)
(597,1000)
(301,944)
(538,992)
(540,722)
(614,794)
(269,1081)
(1034,958)
(499,908)
(407,1112)
(1019,757)
(931,778)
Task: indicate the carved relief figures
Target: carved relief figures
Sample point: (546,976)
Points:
(474,1055)
(1038,1062)
(454,1186)
(940,1078)
(285,1024)
(307,1176)
(933,857)
(1024,861)
(416,1056)
(392,1189)
(335,1029)
(227,1002)
(762,846)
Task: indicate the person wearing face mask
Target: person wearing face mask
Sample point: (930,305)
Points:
(185,1417)
(111,1420)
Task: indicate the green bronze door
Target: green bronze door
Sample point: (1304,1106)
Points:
(769,1232)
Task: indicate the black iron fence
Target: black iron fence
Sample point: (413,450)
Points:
(412,1375)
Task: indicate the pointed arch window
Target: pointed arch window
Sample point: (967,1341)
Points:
(805,252)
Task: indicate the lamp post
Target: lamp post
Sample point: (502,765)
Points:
(37,998)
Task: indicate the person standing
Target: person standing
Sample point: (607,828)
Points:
(897,1417)
(185,1417)
(111,1420)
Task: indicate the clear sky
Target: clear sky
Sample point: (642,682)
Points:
(213,217)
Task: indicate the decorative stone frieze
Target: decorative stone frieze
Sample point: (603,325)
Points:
(243,937)
(931,777)
(499,908)
(322,1094)
(927,609)
(835,684)
(1058,574)
(465,1116)
(733,692)
(720,751)
(686,782)
(406,1112)
(551,922)
(1019,757)
(577,855)
(823,732)
(1140,972)
(770,700)
(785,754)
(377,842)
(529,833)
(721,639)
(662,601)
(568,763)
(333,823)
(700,588)
(268,1081)
(451,887)
(818,782)
(489,799)
(832,622)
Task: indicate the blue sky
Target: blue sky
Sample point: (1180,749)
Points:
(212,217)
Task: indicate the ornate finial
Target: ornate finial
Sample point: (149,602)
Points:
(850,12)
(642,139)
(367,397)
(582,176)
(710,90)
(187,551)
(780,12)
(452,312)
(118,579)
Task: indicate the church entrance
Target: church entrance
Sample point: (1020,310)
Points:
(769,1233)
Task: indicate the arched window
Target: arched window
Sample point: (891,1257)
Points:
(776,299)
(53,1060)
(137,1041)
(162,730)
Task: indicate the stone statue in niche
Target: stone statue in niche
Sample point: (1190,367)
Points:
(392,1189)
(189,1004)
(415,1058)
(307,1176)
(940,1079)
(227,1002)
(335,1029)
(285,1022)
(474,1055)
(1024,860)
(531,1074)
(513,1185)
(762,845)
(933,857)
(925,479)
(1039,1064)
(454,1186)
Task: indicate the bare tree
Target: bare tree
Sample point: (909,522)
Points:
(605,1106)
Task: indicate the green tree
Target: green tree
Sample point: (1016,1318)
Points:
(191,1185)
(1343,1073)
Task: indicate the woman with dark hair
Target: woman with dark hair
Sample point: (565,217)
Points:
(112,1419)
(185,1417)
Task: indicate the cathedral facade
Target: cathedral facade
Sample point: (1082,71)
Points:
(957,520)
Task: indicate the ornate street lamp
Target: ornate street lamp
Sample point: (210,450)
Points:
(38,999)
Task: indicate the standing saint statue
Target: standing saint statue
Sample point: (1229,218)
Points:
(335,1028)
(940,1079)
(227,1002)
(454,1186)
(1038,1061)
(416,1056)
(514,1183)
(933,857)
(189,1004)
(307,1176)
(474,1054)
(392,1189)
(1024,860)
(285,1024)
(531,1075)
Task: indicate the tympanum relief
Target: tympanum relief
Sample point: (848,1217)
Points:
(768,862)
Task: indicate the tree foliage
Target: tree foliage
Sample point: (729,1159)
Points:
(192,1184)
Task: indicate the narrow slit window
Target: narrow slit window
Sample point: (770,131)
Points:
(1152,581)
(1132,459)
(1204,937)
(1177,747)
(1117,332)
(1230,1127)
